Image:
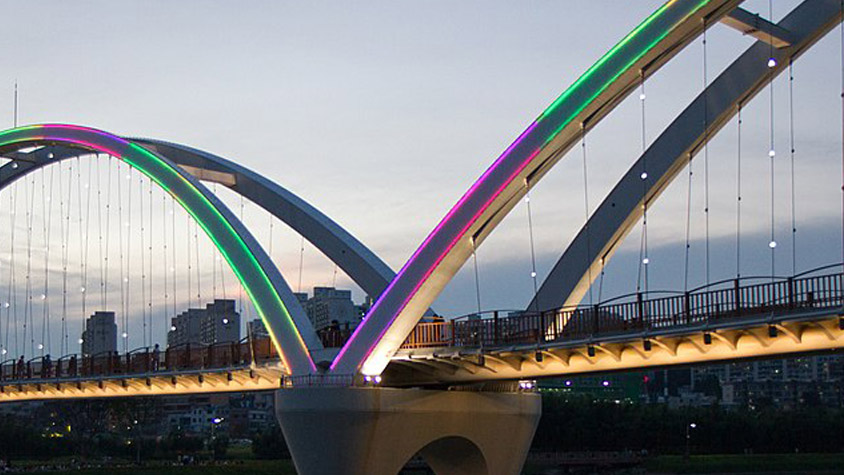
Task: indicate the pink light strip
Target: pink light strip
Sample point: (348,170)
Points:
(451,245)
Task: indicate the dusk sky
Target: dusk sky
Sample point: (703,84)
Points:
(382,114)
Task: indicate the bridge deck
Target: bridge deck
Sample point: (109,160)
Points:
(736,319)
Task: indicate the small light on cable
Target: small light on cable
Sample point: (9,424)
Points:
(772,63)
(772,244)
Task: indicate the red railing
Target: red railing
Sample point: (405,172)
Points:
(142,361)
(731,301)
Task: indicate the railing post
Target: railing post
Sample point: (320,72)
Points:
(791,293)
(737,297)
(495,329)
(595,316)
(640,310)
(687,306)
(451,325)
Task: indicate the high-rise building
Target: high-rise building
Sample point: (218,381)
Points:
(221,323)
(216,323)
(329,305)
(100,334)
(257,329)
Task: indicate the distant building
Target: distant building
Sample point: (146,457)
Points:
(257,329)
(100,334)
(787,382)
(329,305)
(216,323)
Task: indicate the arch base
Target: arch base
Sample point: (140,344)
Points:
(351,431)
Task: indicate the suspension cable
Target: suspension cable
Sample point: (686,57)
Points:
(587,212)
(841,28)
(644,259)
(738,194)
(217,253)
(532,248)
(477,275)
(110,166)
(301,264)
(142,252)
(27,311)
(240,285)
(792,151)
(190,262)
(173,248)
(46,219)
(198,275)
(84,234)
(772,244)
(165,316)
(706,154)
(62,343)
(101,267)
(151,262)
(128,279)
(124,278)
(688,225)
(11,302)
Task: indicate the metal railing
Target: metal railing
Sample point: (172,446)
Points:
(141,361)
(729,300)
(718,302)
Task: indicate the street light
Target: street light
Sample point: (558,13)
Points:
(689,428)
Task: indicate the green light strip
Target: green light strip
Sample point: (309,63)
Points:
(166,176)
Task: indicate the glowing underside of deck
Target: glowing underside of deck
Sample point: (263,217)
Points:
(820,332)
(796,334)
(163,384)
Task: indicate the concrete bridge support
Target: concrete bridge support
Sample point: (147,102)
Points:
(375,431)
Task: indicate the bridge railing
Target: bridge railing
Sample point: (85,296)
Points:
(143,360)
(726,300)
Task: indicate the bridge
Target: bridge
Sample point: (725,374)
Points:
(458,380)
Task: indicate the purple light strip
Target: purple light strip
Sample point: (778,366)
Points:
(451,245)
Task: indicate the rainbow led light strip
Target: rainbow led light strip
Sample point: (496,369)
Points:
(605,69)
(263,294)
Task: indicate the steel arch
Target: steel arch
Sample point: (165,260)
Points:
(616,216)
(284,318)
(603,86)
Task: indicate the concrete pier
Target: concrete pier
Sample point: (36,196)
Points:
(375,431)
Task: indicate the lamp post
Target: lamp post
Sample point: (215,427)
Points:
(689,428)
(214,423)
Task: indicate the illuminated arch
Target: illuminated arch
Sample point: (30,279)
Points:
(284,318)
(362,265)
(569,279)
(603,86)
